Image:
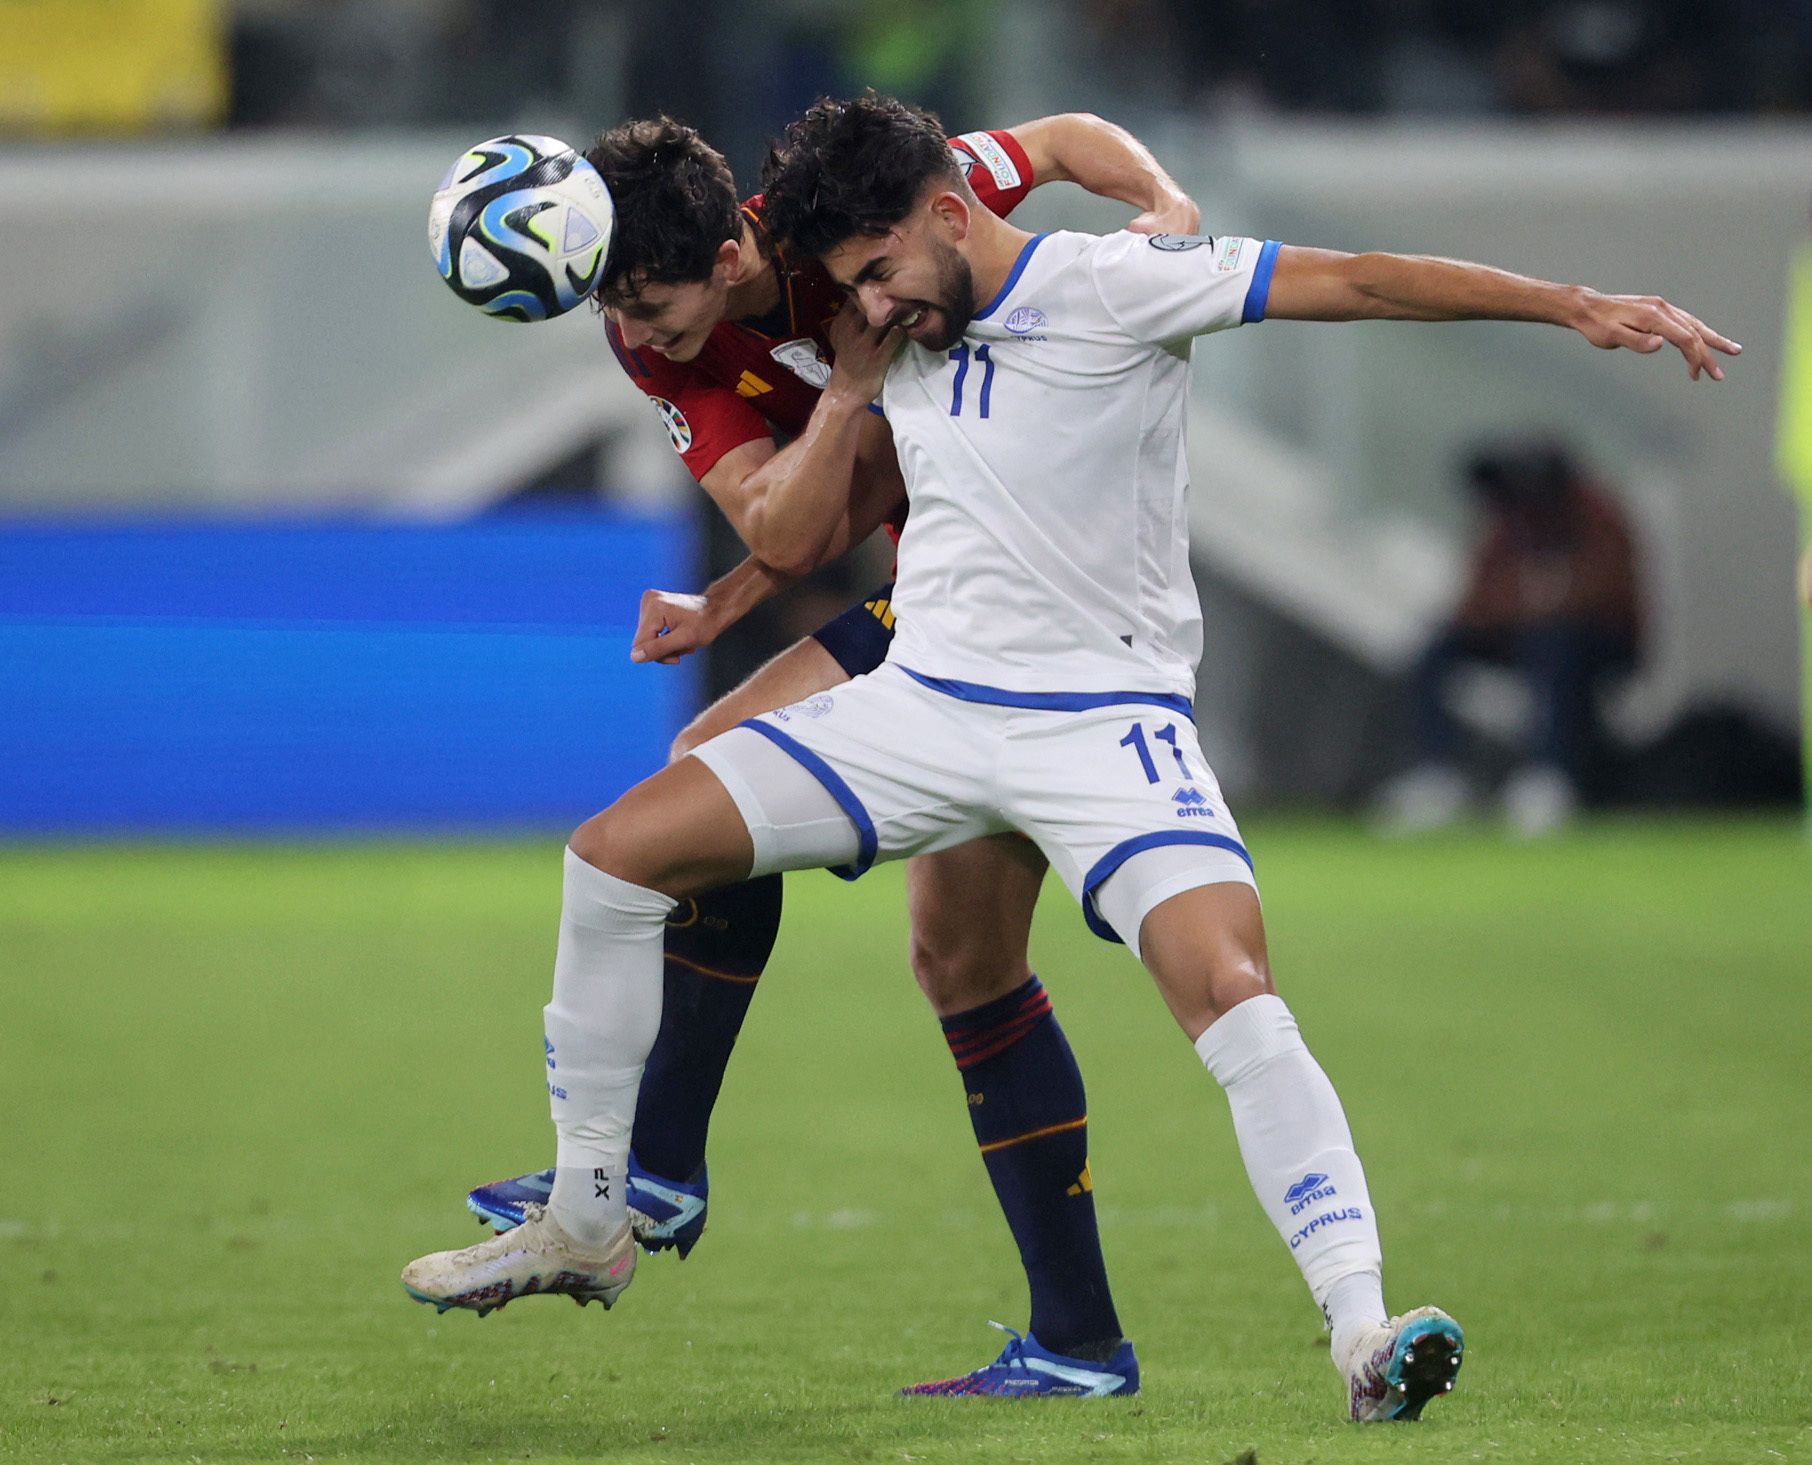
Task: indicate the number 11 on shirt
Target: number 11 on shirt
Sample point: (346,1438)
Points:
(961,357)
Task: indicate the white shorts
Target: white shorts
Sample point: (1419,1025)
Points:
(1111,787)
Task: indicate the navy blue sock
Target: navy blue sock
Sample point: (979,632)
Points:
(1031,1120)
(717,946)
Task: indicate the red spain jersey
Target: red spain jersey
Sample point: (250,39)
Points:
(761,376)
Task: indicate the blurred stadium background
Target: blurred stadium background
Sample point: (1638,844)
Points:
(292,543)
(220,328)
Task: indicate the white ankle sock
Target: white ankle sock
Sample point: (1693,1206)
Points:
(1298,1150)
(602,1021)
(1353,1304)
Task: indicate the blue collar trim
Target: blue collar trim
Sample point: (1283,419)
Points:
(1019,268)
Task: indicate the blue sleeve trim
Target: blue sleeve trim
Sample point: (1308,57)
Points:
(1019,268)
(866,841)
(1051,701)
(1259,291)
(1138,844)
(875,407)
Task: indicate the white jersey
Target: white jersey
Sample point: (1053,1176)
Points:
(1047,549)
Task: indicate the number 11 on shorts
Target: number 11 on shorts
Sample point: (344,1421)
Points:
(1135,739)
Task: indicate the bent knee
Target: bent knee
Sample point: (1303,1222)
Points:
(600,843)
(1239,981)
(957,976)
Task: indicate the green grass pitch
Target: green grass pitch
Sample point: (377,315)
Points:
(241,1086)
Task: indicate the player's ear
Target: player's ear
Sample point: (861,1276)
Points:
(728,261)
(950,213)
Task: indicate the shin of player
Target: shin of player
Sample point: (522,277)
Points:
(1206,948)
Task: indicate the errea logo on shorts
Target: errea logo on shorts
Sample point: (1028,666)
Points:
(679,431)
(1191,803)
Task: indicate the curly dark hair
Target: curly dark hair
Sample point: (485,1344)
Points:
(676,204)
(853,168)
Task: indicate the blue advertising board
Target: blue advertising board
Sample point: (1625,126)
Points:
(213,676)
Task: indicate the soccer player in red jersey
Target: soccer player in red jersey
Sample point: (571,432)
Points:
(735,343)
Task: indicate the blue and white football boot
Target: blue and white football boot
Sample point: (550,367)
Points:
(1026,1369)
(1394,1369)
(663,1213)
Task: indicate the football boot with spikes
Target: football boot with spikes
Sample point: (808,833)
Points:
(1026,1369)
(662,1212)
(535,1258)
(1394,1369)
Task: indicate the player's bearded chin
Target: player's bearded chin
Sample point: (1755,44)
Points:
(956,292)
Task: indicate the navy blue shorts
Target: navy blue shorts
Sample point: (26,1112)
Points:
(859,638)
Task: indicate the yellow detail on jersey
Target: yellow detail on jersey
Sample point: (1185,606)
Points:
(1085,1182)
(883,611)
(751,385)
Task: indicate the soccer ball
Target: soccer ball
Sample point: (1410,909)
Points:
(520,227)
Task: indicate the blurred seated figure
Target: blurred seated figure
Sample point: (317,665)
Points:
(1551,597)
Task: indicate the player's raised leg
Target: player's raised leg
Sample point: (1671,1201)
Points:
(716,948)
(670,837)
(971,920)
(1206,948)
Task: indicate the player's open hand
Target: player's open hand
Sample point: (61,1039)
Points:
(1647,323)
(672,625)
(863,353)
(1176,215)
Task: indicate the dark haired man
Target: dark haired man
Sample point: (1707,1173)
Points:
(733,340)
(1040,679)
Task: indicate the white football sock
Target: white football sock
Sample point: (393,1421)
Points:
(1298,1150)
(1354,1304)
(600,1025)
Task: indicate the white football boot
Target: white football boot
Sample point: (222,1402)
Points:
(1394,1369)
(537,1256)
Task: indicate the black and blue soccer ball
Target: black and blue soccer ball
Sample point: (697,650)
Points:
(520,227)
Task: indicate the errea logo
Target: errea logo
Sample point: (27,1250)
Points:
(1191,803)
(1306,1191)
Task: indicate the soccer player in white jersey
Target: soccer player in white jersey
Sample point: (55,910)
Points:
(1040,681)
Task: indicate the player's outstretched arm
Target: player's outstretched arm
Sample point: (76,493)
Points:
(1326,285)
(1109,162)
